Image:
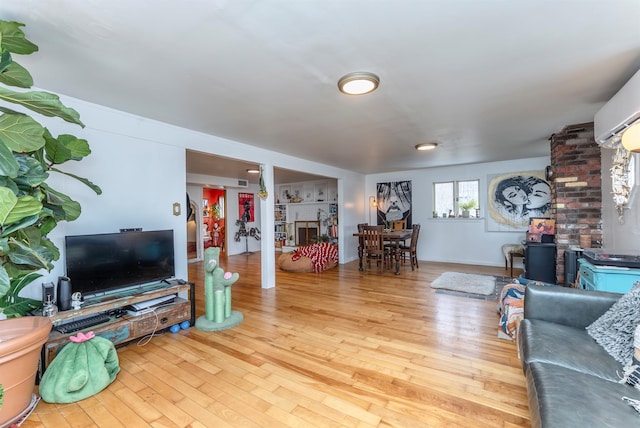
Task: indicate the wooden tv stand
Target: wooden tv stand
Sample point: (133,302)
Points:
(126,328)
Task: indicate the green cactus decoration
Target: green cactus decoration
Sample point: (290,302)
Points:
(217,295)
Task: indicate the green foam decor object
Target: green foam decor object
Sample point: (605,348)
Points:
(217,295)
(80,370)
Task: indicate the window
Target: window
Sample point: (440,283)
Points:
(456,198)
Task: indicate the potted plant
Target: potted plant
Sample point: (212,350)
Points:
(29,207)
(466,206)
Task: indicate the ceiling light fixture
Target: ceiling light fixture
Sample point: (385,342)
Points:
(253,171)
(358,83)
(426,146)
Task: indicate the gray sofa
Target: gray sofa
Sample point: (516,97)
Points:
(571,380)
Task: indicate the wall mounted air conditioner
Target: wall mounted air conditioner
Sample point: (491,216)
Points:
(226,182)
(620,112)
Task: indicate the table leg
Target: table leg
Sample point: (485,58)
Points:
(397,257)
(360,257)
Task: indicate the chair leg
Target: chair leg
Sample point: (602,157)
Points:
(511,261)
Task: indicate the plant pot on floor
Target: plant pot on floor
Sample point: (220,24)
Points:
(21,340)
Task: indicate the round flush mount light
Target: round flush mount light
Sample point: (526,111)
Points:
(253,171)
(426,146)
(358,83)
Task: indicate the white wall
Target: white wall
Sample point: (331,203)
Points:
(140,165)
(455,240)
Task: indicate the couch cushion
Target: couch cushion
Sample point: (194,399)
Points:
(560,397)
(614,329)
(570,347)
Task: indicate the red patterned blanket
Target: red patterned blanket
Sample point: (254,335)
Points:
(322,255)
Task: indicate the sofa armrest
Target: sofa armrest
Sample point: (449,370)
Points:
(568,306)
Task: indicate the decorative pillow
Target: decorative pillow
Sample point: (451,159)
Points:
(615,328)
(631,372)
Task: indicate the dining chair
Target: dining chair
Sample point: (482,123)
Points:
(361,239)
(372,246)
(411,249)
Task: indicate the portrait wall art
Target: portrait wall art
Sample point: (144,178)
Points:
(394,202)
(514,198)
(246,207)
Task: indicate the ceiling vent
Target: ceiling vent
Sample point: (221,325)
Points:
(620,112)
(243,183)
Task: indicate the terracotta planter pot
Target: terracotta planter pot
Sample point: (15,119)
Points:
(21,340)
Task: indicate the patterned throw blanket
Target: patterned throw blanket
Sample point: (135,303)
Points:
(321,255)
(511,308)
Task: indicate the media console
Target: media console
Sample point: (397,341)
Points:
(123,329)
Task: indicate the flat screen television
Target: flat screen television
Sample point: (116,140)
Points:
(103,263)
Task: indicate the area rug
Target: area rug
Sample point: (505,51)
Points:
(465,282)
(498,285)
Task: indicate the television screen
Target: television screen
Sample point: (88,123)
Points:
(105,262)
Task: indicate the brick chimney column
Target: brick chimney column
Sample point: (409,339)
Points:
(576,190)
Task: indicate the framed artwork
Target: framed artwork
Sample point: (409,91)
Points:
(307,193)
(320,192)
(393,202)
(514,198)
(285,194)
(246,207)
(205,208)
(543,226)
(333,194)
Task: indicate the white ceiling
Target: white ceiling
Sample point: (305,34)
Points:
(488,80)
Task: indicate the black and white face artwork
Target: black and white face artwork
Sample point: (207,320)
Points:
(517,198)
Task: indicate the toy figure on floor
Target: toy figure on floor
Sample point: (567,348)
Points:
(217,295)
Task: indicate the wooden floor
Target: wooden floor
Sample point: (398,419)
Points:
(339,349)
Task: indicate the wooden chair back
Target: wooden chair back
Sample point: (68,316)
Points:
(372,244)
(414,237)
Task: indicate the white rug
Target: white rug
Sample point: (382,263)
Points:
(466,283)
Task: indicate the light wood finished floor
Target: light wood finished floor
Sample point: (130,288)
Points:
(339,349)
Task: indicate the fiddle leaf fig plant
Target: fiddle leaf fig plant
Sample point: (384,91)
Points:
(29,207)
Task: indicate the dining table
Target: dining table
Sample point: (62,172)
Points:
(395,237)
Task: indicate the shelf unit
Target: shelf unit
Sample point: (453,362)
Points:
(126,328)
(287,215)
(280,215)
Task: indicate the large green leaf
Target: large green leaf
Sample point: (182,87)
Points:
(5,281)
(44,103)
(23,223)
(55,200)
(5,60)
(87,182)
(13,305)
(13,38)
(21,133)
(10,184)
(47,224)
(31,173)
(30,254)
(8,163)
(65,148)
(13,209)
(16,75)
